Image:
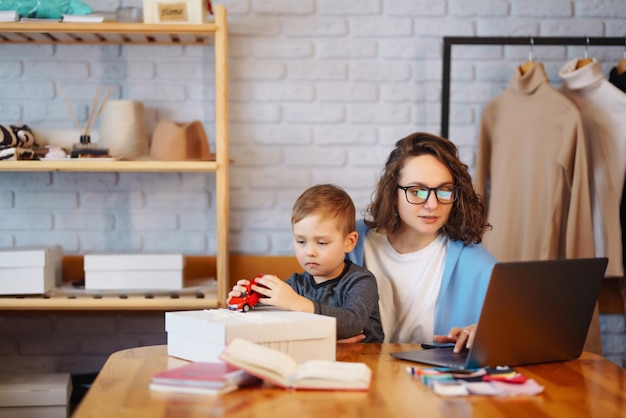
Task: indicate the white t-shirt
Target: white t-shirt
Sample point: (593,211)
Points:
(408,286)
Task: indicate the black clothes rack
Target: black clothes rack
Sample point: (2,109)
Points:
(449,41)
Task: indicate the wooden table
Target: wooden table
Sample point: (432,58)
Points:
(588,387)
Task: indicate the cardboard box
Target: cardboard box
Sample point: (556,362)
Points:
(175,11)
(25,271)
(134,271)
(28,394)
(202,335)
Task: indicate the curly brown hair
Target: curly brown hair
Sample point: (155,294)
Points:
(468,220)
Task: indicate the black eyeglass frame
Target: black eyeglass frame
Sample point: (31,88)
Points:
(454,187)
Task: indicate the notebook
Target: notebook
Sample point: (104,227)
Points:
(534,312)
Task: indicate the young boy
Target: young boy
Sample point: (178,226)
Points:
(323,225)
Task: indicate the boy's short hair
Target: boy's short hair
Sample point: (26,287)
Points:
(329,201)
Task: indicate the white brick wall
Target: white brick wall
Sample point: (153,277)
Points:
(319,92)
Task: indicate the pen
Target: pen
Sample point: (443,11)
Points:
(416,372)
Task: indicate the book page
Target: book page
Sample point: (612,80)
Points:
(262,361)
(332,375)
(158,387)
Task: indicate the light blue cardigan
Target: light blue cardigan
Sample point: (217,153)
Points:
(466,276)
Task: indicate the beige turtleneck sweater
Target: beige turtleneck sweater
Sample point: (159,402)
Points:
(532,169)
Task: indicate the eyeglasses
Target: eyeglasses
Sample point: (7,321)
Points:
(417,195)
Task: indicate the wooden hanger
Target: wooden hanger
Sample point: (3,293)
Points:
(586,60)
(528,65)
(582,62)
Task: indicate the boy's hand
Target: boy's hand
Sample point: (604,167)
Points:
(238,289)
(279,294)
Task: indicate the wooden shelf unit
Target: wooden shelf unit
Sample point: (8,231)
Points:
(140,34)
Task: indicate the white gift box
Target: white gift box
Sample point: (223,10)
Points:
(175,11)
(201,335)
(35,395)
(28,271)
(134,271)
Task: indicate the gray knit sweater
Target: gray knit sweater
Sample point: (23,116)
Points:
(352,298)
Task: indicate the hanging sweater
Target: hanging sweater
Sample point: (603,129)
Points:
(532,169)
(619,80)
(603,110)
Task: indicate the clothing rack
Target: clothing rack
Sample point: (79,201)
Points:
(530,41)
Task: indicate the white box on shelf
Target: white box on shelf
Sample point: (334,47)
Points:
(133,279)
(32,270)
(35,389)
(201,335)
(134,271)
(9,16)
(30,256)
(175,11)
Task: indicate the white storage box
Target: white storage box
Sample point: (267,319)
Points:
(35,395)
(202,335)
(134,271)
(175,11)
(25,271)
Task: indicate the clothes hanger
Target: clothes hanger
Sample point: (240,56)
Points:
(586,60)
(621,65)
(528,65)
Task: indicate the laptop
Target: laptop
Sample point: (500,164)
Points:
(534,312)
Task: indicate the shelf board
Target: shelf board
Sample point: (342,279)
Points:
(92,164)
(106,33)
(109,302)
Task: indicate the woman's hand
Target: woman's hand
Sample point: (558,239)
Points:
(463,336)
(278,293)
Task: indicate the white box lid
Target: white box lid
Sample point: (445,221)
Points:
(133,262)
(30,256)
(220,326)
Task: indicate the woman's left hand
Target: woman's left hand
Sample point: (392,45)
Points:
(463,336)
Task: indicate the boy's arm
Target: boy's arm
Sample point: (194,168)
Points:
(357,296)
(282,294)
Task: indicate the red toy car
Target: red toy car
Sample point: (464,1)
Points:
(247,300)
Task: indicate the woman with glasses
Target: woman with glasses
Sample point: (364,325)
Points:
(421,239)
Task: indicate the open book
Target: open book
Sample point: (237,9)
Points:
(282,370)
